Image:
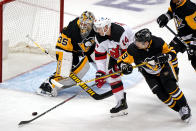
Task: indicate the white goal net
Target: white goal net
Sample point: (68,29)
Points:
(40,19)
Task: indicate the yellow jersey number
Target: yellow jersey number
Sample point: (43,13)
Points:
(62,40)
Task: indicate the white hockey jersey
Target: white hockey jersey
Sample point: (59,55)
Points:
(114,45)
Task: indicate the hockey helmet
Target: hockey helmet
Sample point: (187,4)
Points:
(143,35)
(86,23)
(101,23)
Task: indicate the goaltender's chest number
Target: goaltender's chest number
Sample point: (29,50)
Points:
(62,40)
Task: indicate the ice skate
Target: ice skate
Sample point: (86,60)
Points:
(120,109)
(185,113)
(46,90)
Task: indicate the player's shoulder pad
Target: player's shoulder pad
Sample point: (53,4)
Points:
(71,28)
(189,8)
(158,42)
(132,49)
(116,32)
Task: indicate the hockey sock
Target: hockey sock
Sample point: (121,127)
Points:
(179,97)
(172,104)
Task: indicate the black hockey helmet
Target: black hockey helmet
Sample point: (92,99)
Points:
(143,35)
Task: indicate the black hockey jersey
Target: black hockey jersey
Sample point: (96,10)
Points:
(185,19)
(156,47)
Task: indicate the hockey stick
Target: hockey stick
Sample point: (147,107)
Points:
(87,89)
(108,75)
(94,79)
(42,49)
(189,52)
(68,99)
(176,35)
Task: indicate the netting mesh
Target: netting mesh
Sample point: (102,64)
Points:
(37,18)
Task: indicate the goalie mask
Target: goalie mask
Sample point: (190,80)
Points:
(102,25)
(86,23)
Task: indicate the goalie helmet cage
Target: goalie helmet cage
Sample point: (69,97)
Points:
(41,19)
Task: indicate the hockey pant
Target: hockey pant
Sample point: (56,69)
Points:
(164,85)
(80,69)
(115,80)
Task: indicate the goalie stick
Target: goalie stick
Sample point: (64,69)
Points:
(85,87)
(68,99)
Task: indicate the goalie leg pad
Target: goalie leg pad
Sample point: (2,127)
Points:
(80,70)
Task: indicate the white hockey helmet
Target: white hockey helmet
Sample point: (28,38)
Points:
(86,23)
(101,23)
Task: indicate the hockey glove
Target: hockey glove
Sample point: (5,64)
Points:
(178,45)
(102,81)
(126,68)
(162,20)
(164,58)
(192,48)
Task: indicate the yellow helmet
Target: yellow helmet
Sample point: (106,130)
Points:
(86,23)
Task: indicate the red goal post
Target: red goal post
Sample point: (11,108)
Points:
(37,18)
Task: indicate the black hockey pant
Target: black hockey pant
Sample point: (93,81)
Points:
(165,87)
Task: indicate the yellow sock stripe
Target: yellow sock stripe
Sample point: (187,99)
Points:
(174,91)
(174,103)
(179,97)
(168,99)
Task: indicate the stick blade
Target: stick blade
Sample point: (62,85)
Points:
(23,122)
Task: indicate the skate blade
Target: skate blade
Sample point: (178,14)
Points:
(121,113)
(43,93)
(188,120)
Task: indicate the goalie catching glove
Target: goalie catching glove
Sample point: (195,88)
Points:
(125,68)
(102,81)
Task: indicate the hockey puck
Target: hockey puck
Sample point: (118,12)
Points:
(34,113)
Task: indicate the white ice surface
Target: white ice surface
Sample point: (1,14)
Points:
(146,112)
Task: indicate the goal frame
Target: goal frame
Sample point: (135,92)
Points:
(2,3)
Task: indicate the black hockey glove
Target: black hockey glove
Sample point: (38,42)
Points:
(178,45)
(162,20)
(192,48)
(125,68)
(164,58)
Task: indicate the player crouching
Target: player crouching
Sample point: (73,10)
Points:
(74,50)
(159,70)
